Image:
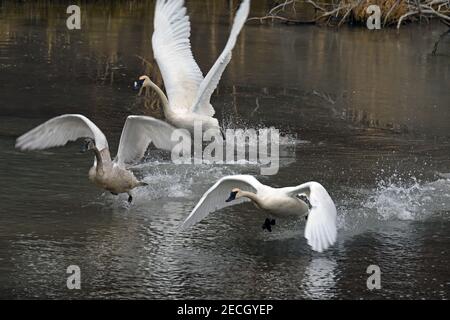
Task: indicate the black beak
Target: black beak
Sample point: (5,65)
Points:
(85,147)
(232,197)
(138,84)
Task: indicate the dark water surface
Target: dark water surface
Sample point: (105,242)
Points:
(365,113)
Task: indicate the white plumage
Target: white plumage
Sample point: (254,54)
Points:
(214,198)
(172,51)
(320,230)
(137,134)
(209,84)
(58,131)
(188,93)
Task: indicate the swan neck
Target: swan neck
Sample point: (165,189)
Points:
(101,156)
(163,98)
(252,196)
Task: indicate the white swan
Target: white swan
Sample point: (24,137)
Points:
(111,175)
(188,93)
(310,199)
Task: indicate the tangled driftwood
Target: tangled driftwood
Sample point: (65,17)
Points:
(335,13)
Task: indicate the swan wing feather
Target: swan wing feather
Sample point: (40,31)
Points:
(214,198)
(172,51)
(320,230)
(209,84)
(57,131)
(137,134)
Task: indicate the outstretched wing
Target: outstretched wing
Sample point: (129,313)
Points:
(320,230)
(58,131)
(138,132)
(172,51)
(214,198)
(209,84)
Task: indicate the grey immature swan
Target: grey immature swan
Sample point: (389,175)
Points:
(111,175)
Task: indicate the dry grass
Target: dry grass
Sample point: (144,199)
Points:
(391,10)
(338,12)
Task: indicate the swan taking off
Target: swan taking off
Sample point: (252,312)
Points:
(309,199)
(188,93)
(111,175)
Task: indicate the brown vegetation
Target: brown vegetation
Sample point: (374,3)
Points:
(336,13)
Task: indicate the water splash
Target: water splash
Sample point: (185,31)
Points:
(236,123)
(397,199)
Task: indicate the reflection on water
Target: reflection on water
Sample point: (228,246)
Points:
(319,279)
(375,78)
(364,113)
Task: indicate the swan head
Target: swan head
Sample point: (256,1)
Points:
(144,81)
(89,144)
(235,194)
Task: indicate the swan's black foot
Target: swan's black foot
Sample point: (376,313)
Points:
(306,217)
(130,198)
(114,194)
(268,224)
